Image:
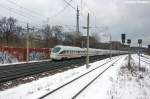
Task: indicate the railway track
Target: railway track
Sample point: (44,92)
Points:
(77,81)
(12,72)
(145,56)
(145,60)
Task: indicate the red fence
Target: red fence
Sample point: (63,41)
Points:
(21,53)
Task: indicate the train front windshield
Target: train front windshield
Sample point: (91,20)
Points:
(56,49)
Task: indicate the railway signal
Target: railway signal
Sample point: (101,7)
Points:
(123,37)
(140,45)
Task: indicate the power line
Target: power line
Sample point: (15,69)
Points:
(69,4)
(33,12)
(60,11)
(100,28)
(24,22)
(16,12)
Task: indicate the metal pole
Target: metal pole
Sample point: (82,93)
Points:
(27,46)
(87,57)
(3,45)
(129,56)
(110,46)
(139,57)
(77,24)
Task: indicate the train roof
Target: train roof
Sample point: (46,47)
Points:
(69,47)
(77,48)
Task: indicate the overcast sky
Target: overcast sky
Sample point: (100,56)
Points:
(109,16)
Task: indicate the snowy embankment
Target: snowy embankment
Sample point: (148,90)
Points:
(43,85)
(131,83)
(116,83)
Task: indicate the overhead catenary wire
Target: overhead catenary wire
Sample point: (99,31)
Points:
(49,18)
(17,12)
(69,4)
(33,12)
(31,18)
(59,12)
(24,22)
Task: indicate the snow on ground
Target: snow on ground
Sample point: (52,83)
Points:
(99,89)
(131,84)
(119,82)
(147,56)
(70,90)
(45,84)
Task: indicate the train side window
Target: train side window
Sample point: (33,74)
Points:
(62,52)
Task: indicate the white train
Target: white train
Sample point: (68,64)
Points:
(60,52)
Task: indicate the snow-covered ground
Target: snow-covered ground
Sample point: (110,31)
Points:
(131,84)
(116,83)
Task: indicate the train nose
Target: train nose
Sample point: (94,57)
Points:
(53,56)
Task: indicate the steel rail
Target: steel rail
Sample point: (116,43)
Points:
(72,81)
(79,92)
(23,70)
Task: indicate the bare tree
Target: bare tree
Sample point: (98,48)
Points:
(58,33)
(47,35)
(7,26)
(68,38)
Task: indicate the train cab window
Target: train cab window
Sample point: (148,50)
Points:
(63,52)
(56,49)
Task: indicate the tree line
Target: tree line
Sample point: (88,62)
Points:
(14,35)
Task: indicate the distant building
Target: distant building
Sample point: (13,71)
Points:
(148,46)
(116,45)
(148,50)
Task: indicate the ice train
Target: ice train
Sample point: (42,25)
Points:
(60,52)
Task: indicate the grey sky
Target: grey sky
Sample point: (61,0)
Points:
(118,16)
